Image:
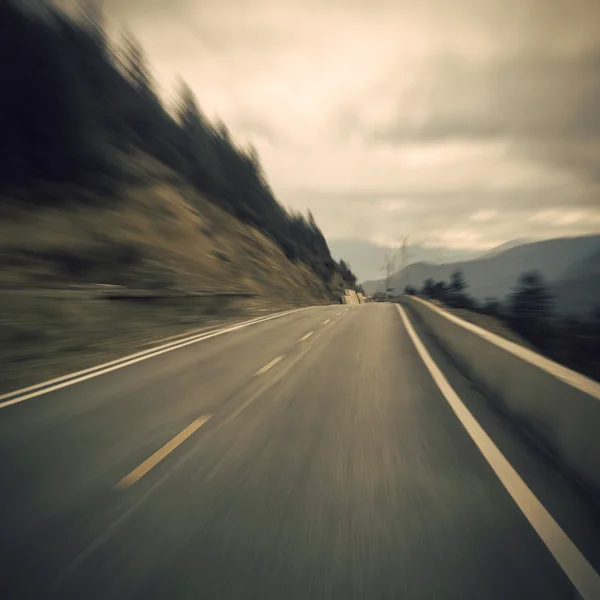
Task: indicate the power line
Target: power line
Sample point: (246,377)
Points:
(389,266)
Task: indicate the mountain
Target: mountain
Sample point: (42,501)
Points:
(367,259)
(578,291)
(570,265)
(506,246)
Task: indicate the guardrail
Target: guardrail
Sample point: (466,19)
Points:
(558,406)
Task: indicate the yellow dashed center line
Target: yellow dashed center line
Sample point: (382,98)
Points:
(151,462)
(269,365)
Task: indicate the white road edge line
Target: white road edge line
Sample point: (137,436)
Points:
(581,382)
(567,555)
(73,378)
(305,337)
(325,322)
(269,365)
(338,314)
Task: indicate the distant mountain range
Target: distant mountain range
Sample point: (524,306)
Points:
(578,291)
(571,266)
(506,246)
(367,259)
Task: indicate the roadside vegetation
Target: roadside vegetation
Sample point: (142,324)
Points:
(528,311)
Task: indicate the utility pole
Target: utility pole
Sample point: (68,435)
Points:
(403,253)
(390,264)
(389,271)
(406,255)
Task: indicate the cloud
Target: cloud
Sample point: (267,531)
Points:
(459,121)
(543,108)
(446,219)
(483,215)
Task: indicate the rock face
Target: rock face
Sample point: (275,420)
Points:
(352,297)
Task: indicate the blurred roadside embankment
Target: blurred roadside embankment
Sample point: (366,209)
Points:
(52,334)
(106,185)
(80,285)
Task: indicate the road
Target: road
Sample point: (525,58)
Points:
(308,456)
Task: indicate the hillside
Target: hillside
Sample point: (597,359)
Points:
(89,108)
(495,276)
(106,192)
(578,291)
(506,246)
(158,235)
(161,238)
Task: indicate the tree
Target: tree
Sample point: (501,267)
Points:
(491,306)
(530,298)
(93,18)
(74,107)
(346,273)
(196,143)
(48,131)
(136,67)
(457,282)
(436,290)
(530,305)
(455,291)
(439,290)
(143,112)
(427,288)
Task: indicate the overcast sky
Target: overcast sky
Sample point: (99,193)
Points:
(465,123)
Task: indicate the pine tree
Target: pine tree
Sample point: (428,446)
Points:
(530,306)
(72,108)
(457,282)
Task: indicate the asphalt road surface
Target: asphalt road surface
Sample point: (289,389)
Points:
(307,456)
